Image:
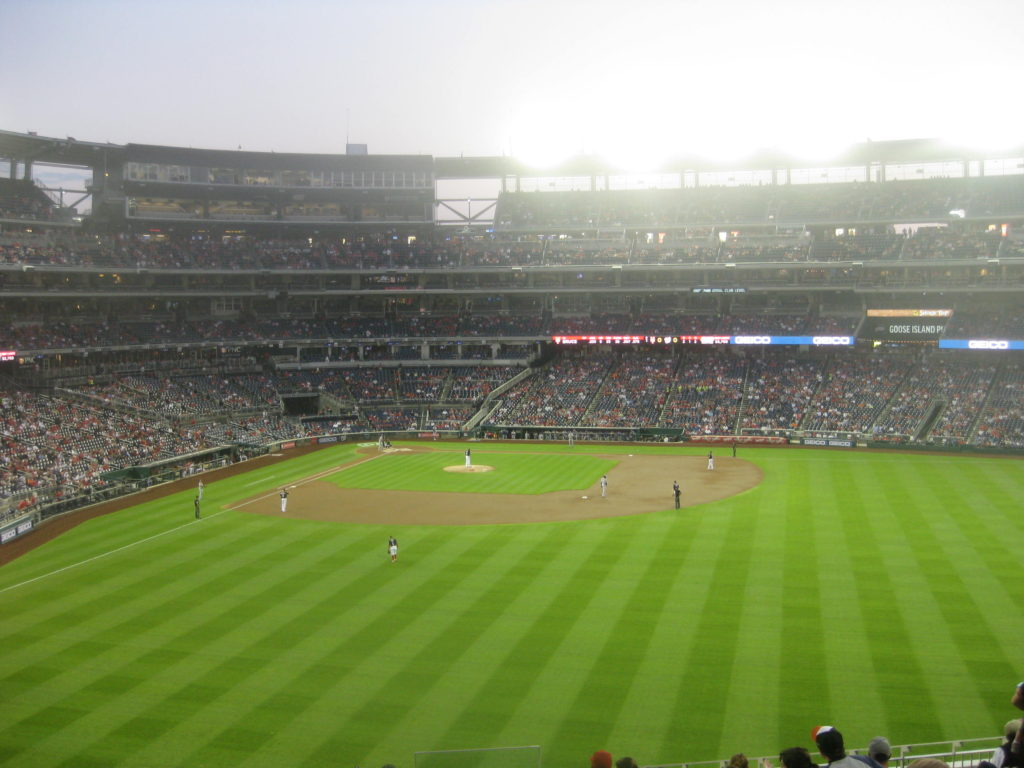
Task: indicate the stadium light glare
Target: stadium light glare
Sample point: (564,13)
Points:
(988,139)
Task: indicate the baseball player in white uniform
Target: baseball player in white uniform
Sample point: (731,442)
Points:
(284,499)
(604,485)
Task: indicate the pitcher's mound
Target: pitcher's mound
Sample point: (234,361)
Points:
(474,468)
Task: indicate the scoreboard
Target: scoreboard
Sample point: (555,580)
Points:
(906,325)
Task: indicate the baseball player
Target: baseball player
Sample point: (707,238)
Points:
(604,485)
(200,490)
(469,458)
(711,460)
(284,499)
(393,548)
(676,492)
(196,504)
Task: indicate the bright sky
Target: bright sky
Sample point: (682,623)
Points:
(633,81)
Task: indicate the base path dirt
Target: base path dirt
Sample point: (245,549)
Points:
(636,485)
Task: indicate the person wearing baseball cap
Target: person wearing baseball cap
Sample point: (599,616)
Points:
(880,751)
(830,744)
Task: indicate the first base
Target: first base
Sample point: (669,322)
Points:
(583,497)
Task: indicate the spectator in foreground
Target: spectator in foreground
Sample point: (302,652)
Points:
(796,757)
(739,760)
(1005,756)
(830,744)
(601,759)
(880,751)
(626,762)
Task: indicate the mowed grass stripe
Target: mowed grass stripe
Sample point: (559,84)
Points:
(321,677)
(507,618)
(753,698)
(303,629)
(536,665)
(984,645)
(130,580)
(895,674)
(180,656)
(137,609)
(710,666)
(212,671)
(512,474)
(643,577)
(617,608)
(385,637)
(644,717)
(804,686)
(445,647)
(676,645)
(848,661)
(987,518)
(927,602)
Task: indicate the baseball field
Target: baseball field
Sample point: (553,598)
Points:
(879,592)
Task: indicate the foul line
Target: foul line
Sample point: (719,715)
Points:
(111,552)
(303,481)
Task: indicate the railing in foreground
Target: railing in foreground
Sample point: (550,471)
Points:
(963,753)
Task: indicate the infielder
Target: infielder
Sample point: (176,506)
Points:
(284,499)
(469,458)
(711,460)
(604,485)
(676,492)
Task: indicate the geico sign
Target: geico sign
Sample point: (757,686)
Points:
(987,344)
(753,340)
(841,340)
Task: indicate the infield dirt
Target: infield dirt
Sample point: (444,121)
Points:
(637,484)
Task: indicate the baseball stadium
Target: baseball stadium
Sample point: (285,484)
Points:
(678,467)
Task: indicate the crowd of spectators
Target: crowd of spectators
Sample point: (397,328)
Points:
(1002,420)
(634,392)
(778,392)
(956,385)
(339,339)
(980,325)
(556,396)
(706,395)
(54,445)
(918,200)
(68,439)
(853,393)
(21,199)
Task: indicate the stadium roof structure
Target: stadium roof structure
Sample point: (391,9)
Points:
(72,152)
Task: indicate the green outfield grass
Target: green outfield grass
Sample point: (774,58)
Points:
(877,592)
